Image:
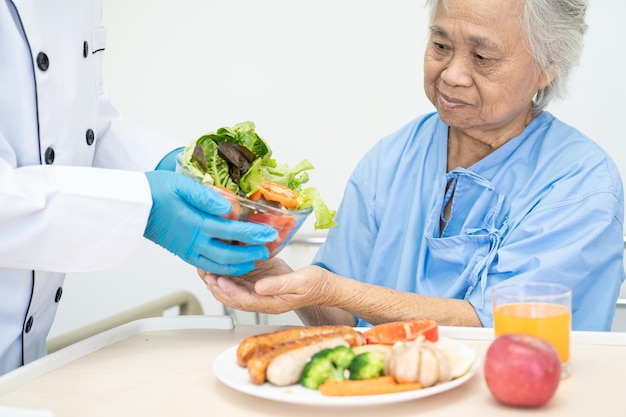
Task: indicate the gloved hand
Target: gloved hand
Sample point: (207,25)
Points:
(185,219)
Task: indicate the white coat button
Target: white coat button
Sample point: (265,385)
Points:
(89,137)
(49,156)
(42,61)
(57,296)
(85,49)
(29,324)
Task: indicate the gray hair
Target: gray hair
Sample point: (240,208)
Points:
(553,31)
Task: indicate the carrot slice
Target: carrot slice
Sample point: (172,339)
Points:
(256,196)
(373,386)
(402,331)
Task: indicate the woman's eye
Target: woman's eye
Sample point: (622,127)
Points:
(483,61)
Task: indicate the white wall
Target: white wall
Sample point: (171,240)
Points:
(322,79)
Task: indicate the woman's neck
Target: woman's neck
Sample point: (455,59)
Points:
(468,146)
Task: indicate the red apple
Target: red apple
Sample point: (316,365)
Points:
(522,370)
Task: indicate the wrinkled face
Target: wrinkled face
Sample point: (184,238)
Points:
(477,70)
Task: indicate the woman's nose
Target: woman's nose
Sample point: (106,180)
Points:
(457,72)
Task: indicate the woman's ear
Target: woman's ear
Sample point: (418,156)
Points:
(547,76)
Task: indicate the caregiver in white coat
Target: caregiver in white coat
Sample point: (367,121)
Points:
(78,186)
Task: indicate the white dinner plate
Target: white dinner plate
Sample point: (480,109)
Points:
(231,374)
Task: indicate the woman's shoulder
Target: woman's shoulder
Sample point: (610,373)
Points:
(568,157)
(556,133)
(563,144)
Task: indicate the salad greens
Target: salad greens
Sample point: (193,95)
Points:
(238,159)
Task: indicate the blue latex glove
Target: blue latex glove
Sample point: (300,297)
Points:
(185,220)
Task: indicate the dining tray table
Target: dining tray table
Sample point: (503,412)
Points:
(164,367)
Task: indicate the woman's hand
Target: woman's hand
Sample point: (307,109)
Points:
(272,288)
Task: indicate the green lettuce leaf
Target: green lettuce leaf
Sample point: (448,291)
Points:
(324,217)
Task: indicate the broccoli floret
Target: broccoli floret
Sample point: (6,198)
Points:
(341,356)
(326,364)
(367,365)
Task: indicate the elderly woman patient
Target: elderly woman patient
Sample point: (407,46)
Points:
(489,188)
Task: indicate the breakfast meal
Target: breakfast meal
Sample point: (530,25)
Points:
(343,361)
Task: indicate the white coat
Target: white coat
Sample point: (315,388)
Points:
(73,197)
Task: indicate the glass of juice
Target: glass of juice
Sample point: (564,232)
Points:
(537,308)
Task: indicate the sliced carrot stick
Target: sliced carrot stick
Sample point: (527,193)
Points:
(380,385)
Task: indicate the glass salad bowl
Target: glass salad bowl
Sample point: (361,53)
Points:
(286,222)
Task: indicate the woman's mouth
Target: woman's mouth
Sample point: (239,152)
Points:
(450,103)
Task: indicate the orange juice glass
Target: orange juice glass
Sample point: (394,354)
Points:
(536,308)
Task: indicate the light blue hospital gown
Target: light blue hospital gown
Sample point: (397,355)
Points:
(546,206)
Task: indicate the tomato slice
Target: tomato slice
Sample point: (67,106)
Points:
(282,224)
(272,191)
(402,331)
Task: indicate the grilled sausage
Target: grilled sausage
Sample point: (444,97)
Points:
(257,365)
(256,344)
